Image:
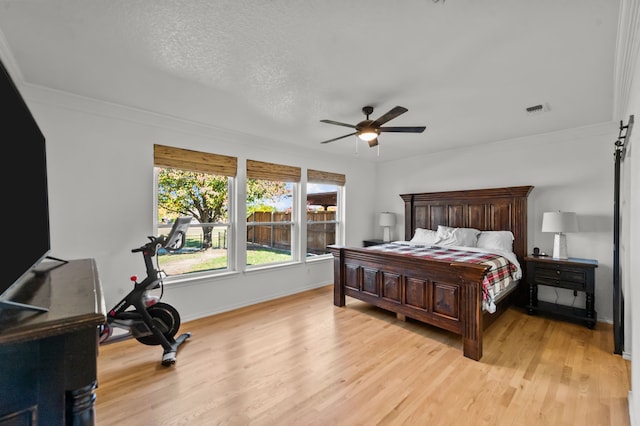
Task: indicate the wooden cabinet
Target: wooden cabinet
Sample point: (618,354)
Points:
(572,274)
(48,360)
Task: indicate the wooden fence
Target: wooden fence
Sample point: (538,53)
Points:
(319,235)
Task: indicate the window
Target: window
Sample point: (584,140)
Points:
(196,184)
(203,186)
(271,212)
(324,192)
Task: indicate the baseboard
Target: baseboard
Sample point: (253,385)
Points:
(632,417)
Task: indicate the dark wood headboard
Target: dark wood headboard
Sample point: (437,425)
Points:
(492,209)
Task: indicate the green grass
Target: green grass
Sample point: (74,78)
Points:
(255,256)
(260,256)
(216,263)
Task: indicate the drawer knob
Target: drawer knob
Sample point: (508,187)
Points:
(558,272)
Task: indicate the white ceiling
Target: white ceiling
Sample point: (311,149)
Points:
(467,69)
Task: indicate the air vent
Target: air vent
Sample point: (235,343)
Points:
(537,109)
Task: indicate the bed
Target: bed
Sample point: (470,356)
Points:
(443,293)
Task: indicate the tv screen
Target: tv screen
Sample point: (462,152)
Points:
(25,199)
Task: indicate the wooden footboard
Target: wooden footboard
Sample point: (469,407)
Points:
(444,294)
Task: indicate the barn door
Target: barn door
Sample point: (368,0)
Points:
(618,294)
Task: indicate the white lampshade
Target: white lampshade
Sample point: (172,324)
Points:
(387,219)
(560,223)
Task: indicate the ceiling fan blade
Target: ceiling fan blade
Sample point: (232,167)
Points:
(339,137)
(337,123)
(393,113)
(405,129)
(373,142)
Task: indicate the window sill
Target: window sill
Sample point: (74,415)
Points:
(255,268)
(197,277)
(318,258)
(204,276)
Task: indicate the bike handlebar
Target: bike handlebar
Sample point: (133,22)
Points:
(151,245)
(172,242)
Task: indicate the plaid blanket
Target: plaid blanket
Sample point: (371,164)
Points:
(500,275)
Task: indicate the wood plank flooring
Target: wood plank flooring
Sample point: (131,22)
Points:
(300,360)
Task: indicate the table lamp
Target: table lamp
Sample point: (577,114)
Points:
(560,223)
(387,220)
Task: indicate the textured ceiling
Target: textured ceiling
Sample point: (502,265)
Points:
(467,69)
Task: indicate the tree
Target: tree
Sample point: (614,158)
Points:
(205,196)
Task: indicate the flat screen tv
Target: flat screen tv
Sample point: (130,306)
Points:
(24,194)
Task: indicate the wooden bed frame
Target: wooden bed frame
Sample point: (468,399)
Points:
(444,294)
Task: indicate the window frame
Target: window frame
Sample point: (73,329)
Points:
(259,170)
(236,250)
(329,178)
(212,164)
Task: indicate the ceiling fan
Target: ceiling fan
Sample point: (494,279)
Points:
(368,130)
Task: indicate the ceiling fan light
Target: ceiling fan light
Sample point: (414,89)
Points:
(368,135)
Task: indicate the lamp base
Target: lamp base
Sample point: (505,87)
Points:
(560,246)
(386,234)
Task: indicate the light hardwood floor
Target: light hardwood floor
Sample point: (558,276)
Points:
(300,360)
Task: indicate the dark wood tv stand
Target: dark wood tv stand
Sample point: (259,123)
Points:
(48,365)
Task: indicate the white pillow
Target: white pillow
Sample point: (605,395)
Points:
(424,236)
(448,236)
(496,240)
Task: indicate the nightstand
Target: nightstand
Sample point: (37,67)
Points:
(374,242)
(573,274)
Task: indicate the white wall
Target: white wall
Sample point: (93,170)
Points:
(631,245)
(100,168)
(627,104)
(100,160)
(629,82)
(570,170)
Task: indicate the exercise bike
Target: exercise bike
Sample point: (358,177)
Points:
(142,315)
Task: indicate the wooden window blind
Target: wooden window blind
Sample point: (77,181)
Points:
(317,176)
(195,161)
(270,171)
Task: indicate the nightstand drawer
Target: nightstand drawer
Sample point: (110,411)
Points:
(560,277)
(541,280)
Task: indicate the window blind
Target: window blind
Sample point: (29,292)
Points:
(317,176)
(271,171)
(195,161)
